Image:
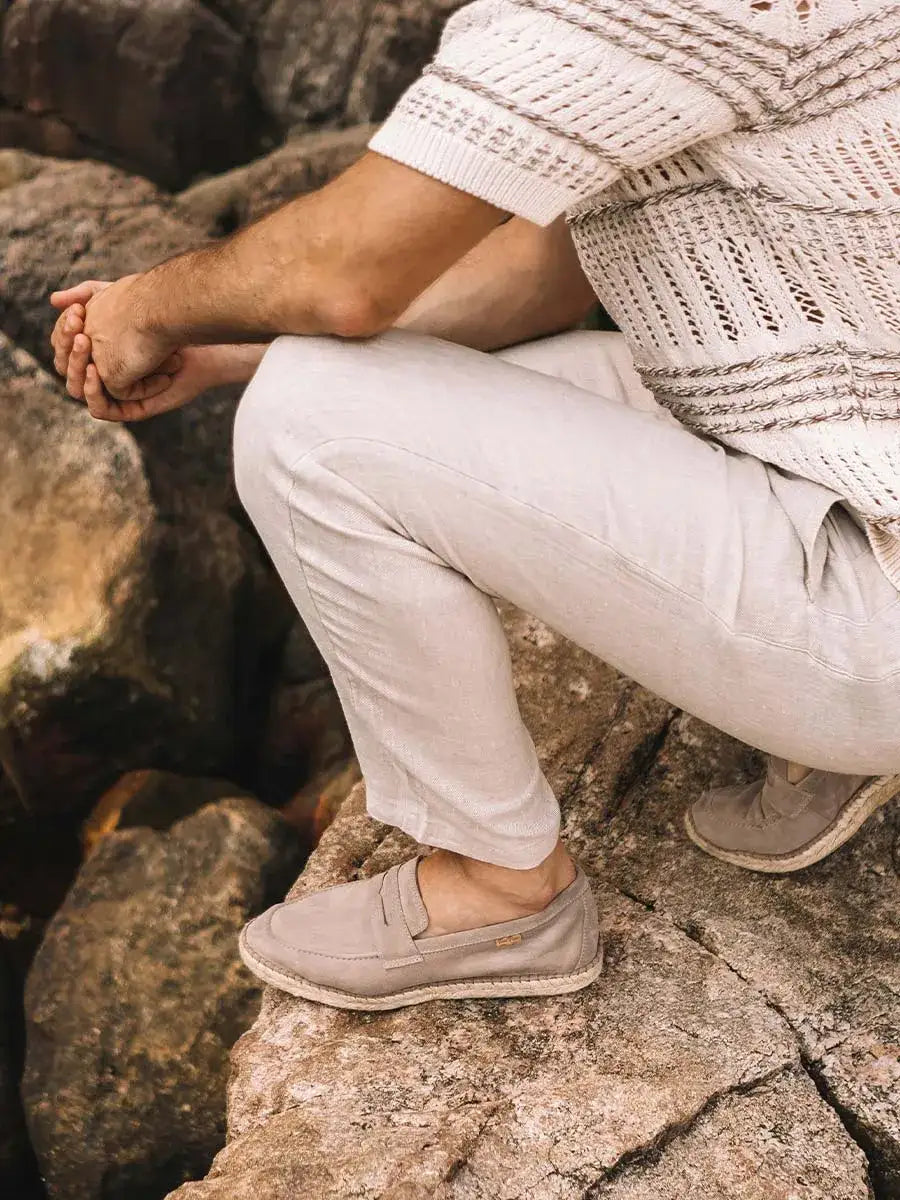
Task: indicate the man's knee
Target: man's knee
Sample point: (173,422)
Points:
(280,414)
(310,390)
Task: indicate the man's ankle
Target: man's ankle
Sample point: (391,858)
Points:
(533,888)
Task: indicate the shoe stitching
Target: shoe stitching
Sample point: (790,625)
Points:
(286,973)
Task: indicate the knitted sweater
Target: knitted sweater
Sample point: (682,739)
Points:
(730,171)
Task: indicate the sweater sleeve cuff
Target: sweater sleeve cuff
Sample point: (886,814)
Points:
(454,160)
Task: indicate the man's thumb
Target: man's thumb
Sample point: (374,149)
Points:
(79,294)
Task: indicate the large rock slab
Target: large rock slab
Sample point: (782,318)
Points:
(137,616)
(775,1140)
(669,1060)
(125,1073)
(822,946)
(185,101)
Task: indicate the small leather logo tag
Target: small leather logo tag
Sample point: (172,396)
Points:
(512,940)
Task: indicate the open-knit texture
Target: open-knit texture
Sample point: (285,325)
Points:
(730,170)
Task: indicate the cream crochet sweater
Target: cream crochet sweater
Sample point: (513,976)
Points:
(730,170)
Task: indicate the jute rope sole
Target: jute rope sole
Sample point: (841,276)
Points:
(870,797)
(466,989)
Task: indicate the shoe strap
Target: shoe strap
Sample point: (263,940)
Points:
(789,800)
(389,925)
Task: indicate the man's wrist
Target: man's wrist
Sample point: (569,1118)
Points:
(167,294)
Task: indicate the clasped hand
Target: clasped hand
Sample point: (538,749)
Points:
(121,371)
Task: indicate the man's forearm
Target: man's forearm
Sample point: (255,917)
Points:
(520,282)
(347,259)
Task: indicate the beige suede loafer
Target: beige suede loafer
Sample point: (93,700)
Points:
(776,826)
(360,946)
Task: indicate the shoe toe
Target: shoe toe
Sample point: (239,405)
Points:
(303,936)
(724,815)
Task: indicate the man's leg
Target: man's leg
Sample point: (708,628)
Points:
(400,483)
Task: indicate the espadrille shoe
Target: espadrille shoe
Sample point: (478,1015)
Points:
(776,826)
(360,946)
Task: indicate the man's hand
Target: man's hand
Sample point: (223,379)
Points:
(126,351)
(184,376)
(128,355)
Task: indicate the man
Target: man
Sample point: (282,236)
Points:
(406,460)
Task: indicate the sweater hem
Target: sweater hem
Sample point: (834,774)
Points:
(457,162)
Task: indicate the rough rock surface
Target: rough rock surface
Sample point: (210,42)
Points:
(225,202)
(681,1073)
(399,40)
(76,516)
(202,85)
(776,1140)
(821,947)
(136,613)
(125,1073)
(184,95)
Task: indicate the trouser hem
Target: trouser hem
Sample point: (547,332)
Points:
(516,852)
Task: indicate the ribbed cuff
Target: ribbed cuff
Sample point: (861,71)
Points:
(453,160)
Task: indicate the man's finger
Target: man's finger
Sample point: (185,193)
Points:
(98,403)
(79,294)
(78,364)
(146,389)
(172,365)
(69,325)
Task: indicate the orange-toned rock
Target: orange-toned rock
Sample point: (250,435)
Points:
(129,629)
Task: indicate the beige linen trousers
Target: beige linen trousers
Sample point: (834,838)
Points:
(401,483)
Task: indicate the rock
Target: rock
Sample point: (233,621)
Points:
(346,61)
(137,618)
(153,800)
(399,40)
(16,1161)
(185,101)
(775,1140)
(125,1074)
(821,947)
(18,165)
(76,518)
(671,1068)
(225,202)
(201,87)
(305,54)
